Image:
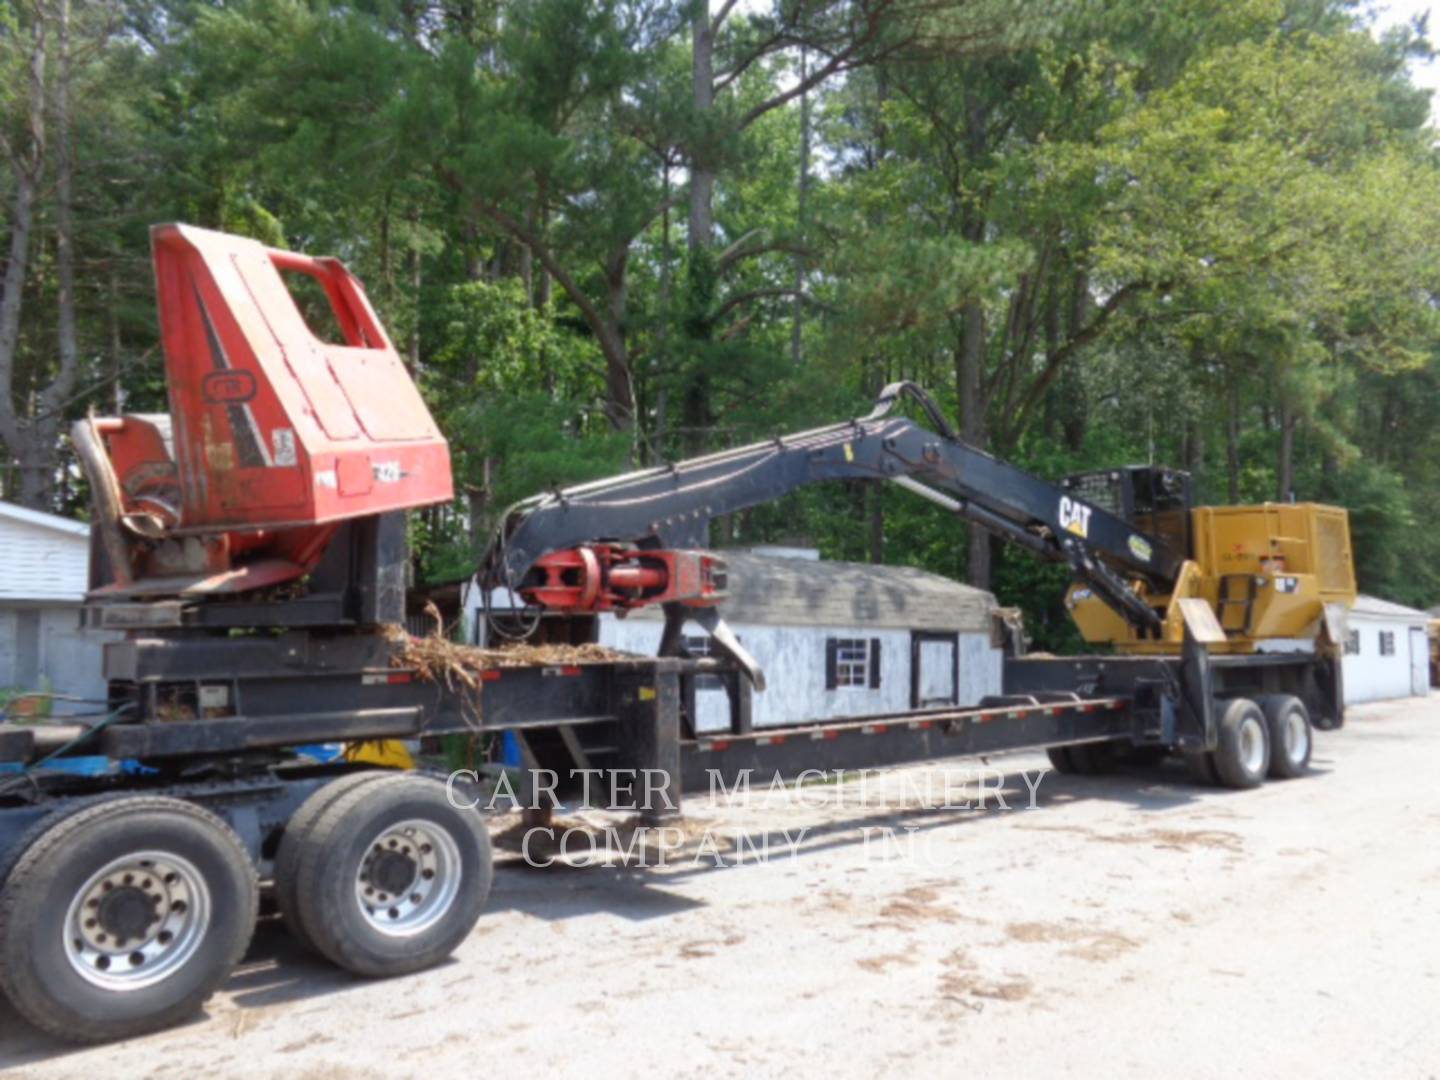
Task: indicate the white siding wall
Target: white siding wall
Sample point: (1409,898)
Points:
(40,563)
(70,658)
(793,659)
(1370,676)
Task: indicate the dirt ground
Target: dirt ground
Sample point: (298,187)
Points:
(1126,926)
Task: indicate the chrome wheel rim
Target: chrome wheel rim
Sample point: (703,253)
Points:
(137,921)
(409,878)
(1297,736)
(1252,745)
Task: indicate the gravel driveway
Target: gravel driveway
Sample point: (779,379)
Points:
(1125,926)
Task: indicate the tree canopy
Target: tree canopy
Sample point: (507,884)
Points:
(612,232)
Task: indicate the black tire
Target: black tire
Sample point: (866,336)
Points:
(1144,757)
(1095,759)
(1060,760)
(292,846)
(341,857)
(43,900)
(1242,750)
(1202,767)
(1292,736)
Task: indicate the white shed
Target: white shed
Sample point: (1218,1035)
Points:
(834,638)
(1387,654)
(43,576)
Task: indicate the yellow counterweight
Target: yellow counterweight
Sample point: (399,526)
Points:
(1267,571)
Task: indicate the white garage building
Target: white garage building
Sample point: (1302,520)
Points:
(834,638)
(43,574)
(1387,654)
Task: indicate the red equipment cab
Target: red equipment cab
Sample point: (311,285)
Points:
(275,435)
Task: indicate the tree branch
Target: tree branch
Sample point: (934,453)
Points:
(1075,343)
(722,15)
(759,294)
(519,231)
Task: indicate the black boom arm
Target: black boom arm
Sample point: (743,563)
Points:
(671,506)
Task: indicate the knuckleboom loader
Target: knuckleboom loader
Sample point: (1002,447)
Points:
(248,550)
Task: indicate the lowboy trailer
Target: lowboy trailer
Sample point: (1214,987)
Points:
(250,545)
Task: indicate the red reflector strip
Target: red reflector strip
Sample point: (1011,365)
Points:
(719,744)
(919,725)
(874,729)
(770,740)
(399,677)
(489,676)
(826,733)
(561,671)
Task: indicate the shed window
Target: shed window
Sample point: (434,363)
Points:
(1387,643)
(1352,642)
(852,663)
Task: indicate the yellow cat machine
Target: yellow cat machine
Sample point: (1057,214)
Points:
(1267,572)
(249,555)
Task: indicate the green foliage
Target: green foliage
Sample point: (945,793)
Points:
(1186,231)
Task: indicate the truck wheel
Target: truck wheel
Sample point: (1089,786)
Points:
(1060,760)
(124,917)
(1093,759)
(293,843)
(1202,767)
(392,876)
(1291,735)
(1242,752)
(1145,756)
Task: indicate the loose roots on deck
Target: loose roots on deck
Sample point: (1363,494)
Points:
(438,659)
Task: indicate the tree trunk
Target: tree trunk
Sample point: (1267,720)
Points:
(55,395)
(619,388)
(40,441)
(1285,472)
(116,354)
(542,283)
(413,348)
(1232,440)
(970,358)
(387,262)
(1192,449)
(525,259)
(798,313)
(702,169)
(969,373)
(660,430)
(478,500)
(27,165)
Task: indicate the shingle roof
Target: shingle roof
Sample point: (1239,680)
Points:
(1373,605)
(45,521)
(801,592)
